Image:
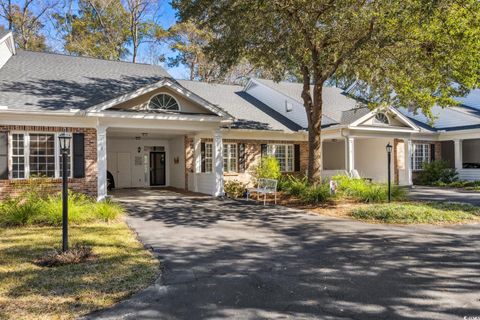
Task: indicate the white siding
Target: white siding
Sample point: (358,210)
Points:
(277,102)
(205,182)
(469,174)
(177,170)
(5,53)
(371,158)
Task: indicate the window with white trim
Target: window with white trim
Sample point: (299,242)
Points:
(230,157)
(208,157)
(18,156)
(421,155)
(35,155)
(284,154)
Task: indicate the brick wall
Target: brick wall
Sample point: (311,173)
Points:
(252,153)
(87,185)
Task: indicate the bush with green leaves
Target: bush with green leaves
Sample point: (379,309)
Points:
(309,194)
(436,173)
(33,208)
(267,168)
(235,188)
(365,191)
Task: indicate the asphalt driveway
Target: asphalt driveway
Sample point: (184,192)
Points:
(444,194)
(227,259)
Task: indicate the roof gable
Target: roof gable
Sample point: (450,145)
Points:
(384,119)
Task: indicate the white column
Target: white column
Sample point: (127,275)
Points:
(197,161)
(101,162)
(458,154)
(349,154)
(218,167)
(408,161)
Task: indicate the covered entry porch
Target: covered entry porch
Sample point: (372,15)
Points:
(365,153)
(151,154)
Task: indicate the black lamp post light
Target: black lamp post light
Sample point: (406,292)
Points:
(389,149)
(65,140)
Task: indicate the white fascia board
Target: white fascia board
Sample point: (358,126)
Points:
(404,118)
(263,135)
(380,129)
(47,119)
(9,37)
(162,83)
(459,134)
(163,116)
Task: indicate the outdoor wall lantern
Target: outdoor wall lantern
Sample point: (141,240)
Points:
(65,140)
(389,149)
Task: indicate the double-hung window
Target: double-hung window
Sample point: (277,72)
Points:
(230,157)
(208,158)
(284,154)
(36,155)
(421,155)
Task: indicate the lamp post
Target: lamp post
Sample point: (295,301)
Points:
(64,140)
(389,160)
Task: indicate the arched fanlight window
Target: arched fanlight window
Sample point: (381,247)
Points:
(381,118)
(163,101)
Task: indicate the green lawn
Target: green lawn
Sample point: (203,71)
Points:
(417,212)
(28,291)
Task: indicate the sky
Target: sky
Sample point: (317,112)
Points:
(165,16)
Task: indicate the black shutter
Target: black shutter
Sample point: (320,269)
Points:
(241,157)
(3,155)
(296,157)
(264,150)
(432,152)
(78,155)
(202,155)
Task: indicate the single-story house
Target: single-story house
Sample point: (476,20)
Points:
(137,125)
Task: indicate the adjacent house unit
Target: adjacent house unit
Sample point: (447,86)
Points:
(135,126)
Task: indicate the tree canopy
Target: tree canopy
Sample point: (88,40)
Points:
(412,53)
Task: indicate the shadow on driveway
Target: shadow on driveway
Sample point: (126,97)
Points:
(444,194)
(227,259)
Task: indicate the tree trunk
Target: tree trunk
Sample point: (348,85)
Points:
(313,108)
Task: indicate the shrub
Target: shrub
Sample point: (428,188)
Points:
(235,188)
(31,209)
(294,186)
(437,172)
(316,194)
(364,191)
(268,168)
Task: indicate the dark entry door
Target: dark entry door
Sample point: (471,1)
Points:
(157,169)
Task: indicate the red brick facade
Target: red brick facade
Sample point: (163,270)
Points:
(87,185)
(252,156)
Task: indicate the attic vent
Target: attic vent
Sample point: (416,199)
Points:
(163,101)
(381,118)
(288,106)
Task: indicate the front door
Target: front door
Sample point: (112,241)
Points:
(124,170)
(157,168)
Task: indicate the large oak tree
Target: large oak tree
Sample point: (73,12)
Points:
(412,53)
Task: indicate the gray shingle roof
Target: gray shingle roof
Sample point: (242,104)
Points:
(335,102)
(46,81)
(249,113)
(3,33)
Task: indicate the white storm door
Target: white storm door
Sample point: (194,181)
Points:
(124,170)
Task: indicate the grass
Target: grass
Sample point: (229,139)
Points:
(417,212)
(28,291)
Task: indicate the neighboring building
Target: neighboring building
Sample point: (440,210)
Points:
(147,129)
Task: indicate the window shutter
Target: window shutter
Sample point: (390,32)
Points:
(264,150)
(296,157)
(202,156)
(241,157)
(78,141)
(3,155)
(432,152)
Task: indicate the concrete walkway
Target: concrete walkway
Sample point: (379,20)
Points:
(233,260)
(444,195)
